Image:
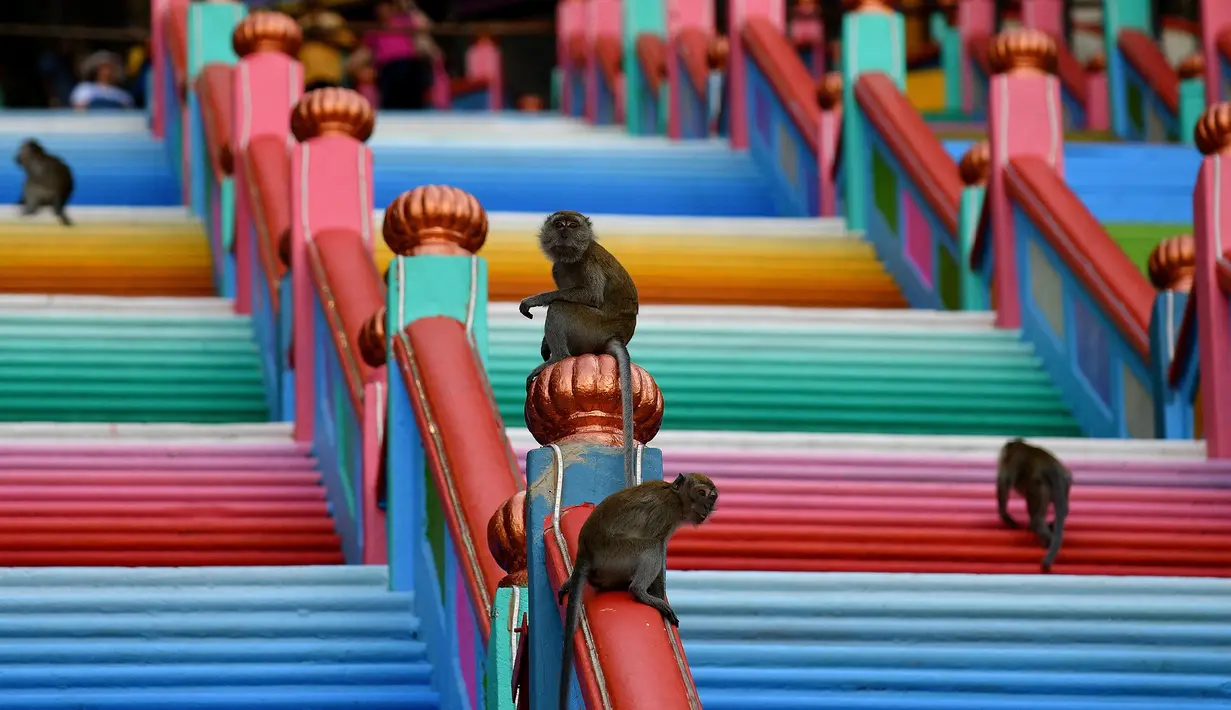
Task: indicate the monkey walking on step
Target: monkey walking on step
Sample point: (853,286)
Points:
(623,545)
(593,310)
(1044,482)
(49,181)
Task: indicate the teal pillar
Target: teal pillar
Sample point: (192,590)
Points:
(640,16)
(507,609)
(950,43)
(1192,105)
(453,286)
(873,41)
(970,208)
(1119,15)
(209,40)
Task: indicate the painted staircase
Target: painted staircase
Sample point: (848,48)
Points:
(292,638)
(102,359)
(817,370)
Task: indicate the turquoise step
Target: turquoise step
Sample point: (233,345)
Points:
(211,638)
(880,376)
(127,367)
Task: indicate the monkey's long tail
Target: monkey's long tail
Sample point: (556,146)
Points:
(572,617)
(1060,499)
(617,349)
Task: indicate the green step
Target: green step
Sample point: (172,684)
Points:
(109,367)
(821,378)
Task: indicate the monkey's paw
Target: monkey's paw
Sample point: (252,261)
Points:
(671,618)
(525,306)
(560,595)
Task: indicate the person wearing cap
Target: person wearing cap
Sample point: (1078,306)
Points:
(103,72)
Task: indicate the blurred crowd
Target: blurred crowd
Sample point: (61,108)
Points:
(393,64)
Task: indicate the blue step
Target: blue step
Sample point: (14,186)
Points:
(129,169)
(706,179)
(788,641)
(302,638)
(1127,182)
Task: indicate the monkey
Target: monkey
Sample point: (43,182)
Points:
(49,181)
(1044,482)
(623,545)
(592,311)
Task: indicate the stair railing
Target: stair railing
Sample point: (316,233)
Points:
(648,111)
(172,63)
(449,464)
(626,655)
(1056,274)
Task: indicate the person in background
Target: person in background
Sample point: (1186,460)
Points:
(402,54)
(138,70)
(55,68)
(363,75)
(103,74)
(325,37)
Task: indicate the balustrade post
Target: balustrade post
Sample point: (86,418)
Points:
(682,15)
(738,14)
(1171,266)
(945,31)
(1120,15)
(506,539)
(1025,117)
(435,232)
(331,190)
(973,169)
(873,40)
(807,34)
(975,19)
(1215,19)
(573,410)
(268,80)
(210,25)
(640,17)
(1212,240)
(1191,73)
(1098,107)
(829,96)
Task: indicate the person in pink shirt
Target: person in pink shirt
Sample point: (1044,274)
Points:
(402,51)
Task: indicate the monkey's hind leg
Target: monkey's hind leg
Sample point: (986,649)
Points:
(1038,518)
(647,575)
(64,220)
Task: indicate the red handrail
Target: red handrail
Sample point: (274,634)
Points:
(693,45)
(652,55)
(1146,57)
(267,164)
(215,87)
(786,73)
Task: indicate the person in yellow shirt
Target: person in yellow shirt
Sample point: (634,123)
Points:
(325,38)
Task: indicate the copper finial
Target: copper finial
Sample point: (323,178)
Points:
(1173,263)
(506,539)
(333,111)
(372,339)
(435,219)
(973,167)
(1213,131)
(579,397)
(265,31)
(1022,50)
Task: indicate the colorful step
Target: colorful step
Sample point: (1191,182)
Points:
(212,638)
(89,359)
(703,260)
(222,495)
(954,641)
(913,506)
(118,252)
(761,369)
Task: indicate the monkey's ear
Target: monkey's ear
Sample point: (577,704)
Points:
(680,481)
(587,219)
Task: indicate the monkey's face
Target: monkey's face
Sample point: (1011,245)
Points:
(28,152)
(700,496)
(565,236)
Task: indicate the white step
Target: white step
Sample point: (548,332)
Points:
(93,435)
(44,123)
(958,446)
(137,306)
(103,215)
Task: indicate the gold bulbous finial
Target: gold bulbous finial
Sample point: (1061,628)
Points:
(975,163)
(266,31)
(1192,67)
(1213,131)
(1173,264)
(333,111)
(506,539)
(718,52)
(372,339)
(1097,63)
(829,91)
(435,219)
(579,397)
(1022,50)
(870,5)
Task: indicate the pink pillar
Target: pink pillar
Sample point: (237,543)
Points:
(483,62)
(604,18)
(805,29)
(331,190)
(1212,237)
(267,85)
(830,131)
(740,11)
(975,18)
(1215,17)
(158,65)
(682,14)
(1025,117)
(1044,15)
(1098,108)
(569,16)
(375,539)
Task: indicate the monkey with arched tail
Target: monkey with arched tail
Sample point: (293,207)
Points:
(593,310)
(1040,478)
(623,545)
(49,181)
